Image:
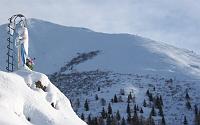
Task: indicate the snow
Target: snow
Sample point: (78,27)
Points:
(123,53)
(136,64)
(173,96)
(20,100)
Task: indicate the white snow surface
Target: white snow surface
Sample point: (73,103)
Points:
(53,45)
(20,100)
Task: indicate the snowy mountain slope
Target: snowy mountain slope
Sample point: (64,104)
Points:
(110,84)
(53,45)
(113,62)
(99,88)
(22,103)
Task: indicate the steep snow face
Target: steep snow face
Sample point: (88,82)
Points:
(53,45)
(22,103)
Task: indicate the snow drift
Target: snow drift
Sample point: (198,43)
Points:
(22,103)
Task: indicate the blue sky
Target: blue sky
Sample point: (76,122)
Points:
(176,22)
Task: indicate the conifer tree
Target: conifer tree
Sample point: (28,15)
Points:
(108,120)
(82,116)
(160,111)
(135,119)
(118,117)
(114,121)
(122,92)
(133,99)
(96,97)
(147,93)
(144,103)
(153,111)
(129,117)
(109,109)
(99,89)
(185,121)
(112,117)
(103,101)
(150,97)
(89,120)
(86,105)
(95,121)
(157,102)
(103,113)
(123,122)
(188,105)
(115,99)
(187,96)
(163,120)
(128,99)
(130,96)
(197,119)
(135,108)
(141,110)
(195,109)
(128,110)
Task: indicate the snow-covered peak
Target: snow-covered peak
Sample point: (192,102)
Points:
(24,102)
(54,45)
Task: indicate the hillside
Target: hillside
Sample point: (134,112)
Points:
(53,45)
(105,69)
(23,102)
